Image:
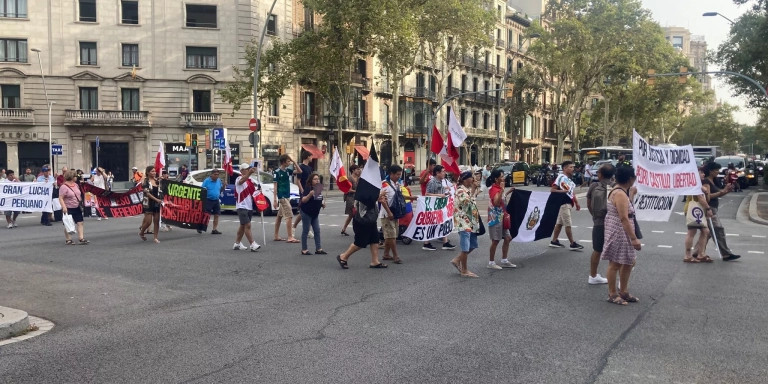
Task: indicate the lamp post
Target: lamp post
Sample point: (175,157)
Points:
(256,78)
(708,14)
(50,106)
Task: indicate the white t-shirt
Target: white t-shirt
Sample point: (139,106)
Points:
(98,181)
(385,186)
(247,201)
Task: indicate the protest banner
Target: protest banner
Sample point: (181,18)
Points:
(116,204)
(650,207)
(26,197)
(432,219)
(664,170)
(186,208)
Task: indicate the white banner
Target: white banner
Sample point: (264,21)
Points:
(432,219)
(664,170)
(654,207)
(26,197)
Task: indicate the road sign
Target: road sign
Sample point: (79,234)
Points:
(253,138)
(253,125)
(57,149)
(219,139)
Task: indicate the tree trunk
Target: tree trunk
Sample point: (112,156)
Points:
(395,121)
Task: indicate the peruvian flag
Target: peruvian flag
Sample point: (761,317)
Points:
(338,172)
(160,160)
(227,162)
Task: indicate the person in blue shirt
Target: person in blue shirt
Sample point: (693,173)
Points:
(211,204)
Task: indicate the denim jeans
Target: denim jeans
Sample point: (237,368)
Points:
(306,222)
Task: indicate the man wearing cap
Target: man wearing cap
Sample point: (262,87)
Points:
(212,205)
(244,190)
(45,218)
(137,176)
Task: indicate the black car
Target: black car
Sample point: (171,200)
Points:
(515,172)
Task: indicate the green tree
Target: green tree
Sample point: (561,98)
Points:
(716,127)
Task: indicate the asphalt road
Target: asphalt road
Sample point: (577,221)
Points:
(191,310)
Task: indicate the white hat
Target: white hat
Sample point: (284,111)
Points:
(244,166)
(135,168)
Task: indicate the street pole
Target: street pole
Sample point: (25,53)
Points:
(256,79)
(50,107)
(498,116)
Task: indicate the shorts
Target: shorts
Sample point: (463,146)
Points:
(468,241)
(564,216)
(497,232)
(349,204)
(244,215)
(284,208)
(10,213)
(365,234)
(598,237)
(390,228)
(212,206)
(77,214)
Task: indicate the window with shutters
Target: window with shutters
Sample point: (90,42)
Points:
(130,55)
(89,98)
(130,99)
(15,9)
(201,58)
(13,50)
(11,95)
(87,53)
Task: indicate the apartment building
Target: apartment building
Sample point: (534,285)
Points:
(693,47)
(131,73)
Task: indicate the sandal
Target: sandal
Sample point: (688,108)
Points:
(616,299)
(69,242)
(292,241)
(469,274)
(344,233)
(305,253)
(142,236)
(398,261)
(378,266)
(84,241)
(629,298)
(278,239)
(706,259)
(342,263)
(691,260)
(387,258)
(320,252)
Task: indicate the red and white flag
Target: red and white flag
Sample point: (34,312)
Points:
(339,173)
(227,162)
(160,160)
(449,156)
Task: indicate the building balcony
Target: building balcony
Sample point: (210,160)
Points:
(106,117)
(383,89)
(479,132)
(421,93)
(273,120)
(549,136)
(200,119)
(356,78)
(500,43)
(369,125)
(414,130)
(17,116)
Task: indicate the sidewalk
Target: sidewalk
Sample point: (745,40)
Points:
(758,208)
(12,322)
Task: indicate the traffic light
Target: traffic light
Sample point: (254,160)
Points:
(651,77)
(683,75)
(194,139)
(187,139)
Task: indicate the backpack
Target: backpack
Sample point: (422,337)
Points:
(398,206)
(600,201)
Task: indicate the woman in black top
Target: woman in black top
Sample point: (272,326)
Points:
(152,203)
(311,203)
(715,192)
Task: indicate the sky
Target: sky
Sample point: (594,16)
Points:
(688,14)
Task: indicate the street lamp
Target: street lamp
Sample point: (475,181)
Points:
(256,78)
(50,106)
(706,14)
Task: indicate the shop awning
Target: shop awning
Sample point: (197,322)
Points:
(363,151)
(314,150)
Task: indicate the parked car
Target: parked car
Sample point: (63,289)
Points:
(228,197)
(515,172)
(739,162)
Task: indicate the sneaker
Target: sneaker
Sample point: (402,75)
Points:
(428,247)
(576,246)
(98,219)
(448,246)
(597,280)
(10,226)
(507,264)
(493,265)
(14,224)
(239,247)
(255,246)
(556,244)
(215,232)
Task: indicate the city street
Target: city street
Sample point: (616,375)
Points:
(192,310)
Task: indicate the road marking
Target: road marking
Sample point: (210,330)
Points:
(665,246)
(759,236)
(657,231)
(681,233)
(757,252)
(586,241)
(732,234)
(590,227)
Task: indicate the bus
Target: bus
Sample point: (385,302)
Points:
(604,153)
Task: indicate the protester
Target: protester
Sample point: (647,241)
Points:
(70,198)
(732,176)
(311,203)
(496,230)
(213,186)
(715,193)
(349,197)
(183,173)
(281,198)
(693,227)
(366,233)
(303,172)
(244,190)
(486,173)
(136,176)
(10,216)
(163,227)
(588,176)
(620,239)
(45,217)
(151,204)
(99,180)
(111,179)
(60,178)
(28,176)
(597,204)
(390,225)
(437,188)
(466,219)
(564,184)
(426,176)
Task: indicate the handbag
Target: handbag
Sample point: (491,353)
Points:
(638,233)
(695,217)
(69,223)
(79,201)
(480,231)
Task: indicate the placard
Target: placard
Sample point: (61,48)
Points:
(432,218)
(26,197)
(186,208)
(664,170)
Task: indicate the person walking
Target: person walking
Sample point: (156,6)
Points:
(715,193)
(136,176)
(390,225)
(699,225)
(437,187)
(426,175)
(303,173)
(588,176)
(366,232)
(311,203)
(10,216)
(98,180)
(45,218)
(151,204)
(70,198)
(244,191)
(597,205)
(281,198)
(466,219)
(564,184)
(496,230)
(620,239)
(349,197)
(213,186)
(163,226)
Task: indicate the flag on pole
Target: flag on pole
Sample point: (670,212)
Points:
(338,172)
(227,162)
(534,214)
(160,160)
(369,185)
(437,141)
(455,130)
(450,157)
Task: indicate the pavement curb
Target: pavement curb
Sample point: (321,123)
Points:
(753,215)
(12,322)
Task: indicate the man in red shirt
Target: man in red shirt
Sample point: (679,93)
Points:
(60,178)
(426,176)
